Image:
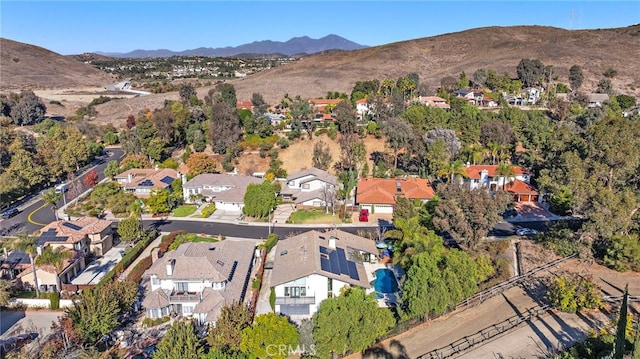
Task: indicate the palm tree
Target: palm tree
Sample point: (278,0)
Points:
(27,243)
(52,198)
(476,154)
(452,170)
(494,149)
(55,258)
(506,171)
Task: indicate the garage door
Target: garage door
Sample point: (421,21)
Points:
(289,309)
(383,208)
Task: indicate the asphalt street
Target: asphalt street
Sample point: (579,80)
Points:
(41,214)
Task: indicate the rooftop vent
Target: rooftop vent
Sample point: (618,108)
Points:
(283,253)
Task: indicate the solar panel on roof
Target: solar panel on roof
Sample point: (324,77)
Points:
(146,183)
(335,264)
(233,270)
(342,260)
(324,250)
(75,227)
(353,271)
(167,180)
(325,264)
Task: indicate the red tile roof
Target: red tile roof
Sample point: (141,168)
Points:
(385,190)
(520,187)
(244,105)
(473,171)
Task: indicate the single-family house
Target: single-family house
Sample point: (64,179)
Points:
(14,263)
(488,102)
(523,192)
(144,181)
(378,195)
(597,99)
(199,278)
(244,105)
(473,97)
(86,234)
(225,190)
(434,101)
(362,108)
(313,266)
(312,187)
(532,95)
(479,176)
(46,274)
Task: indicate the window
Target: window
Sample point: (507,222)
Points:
(182,286)
(155,281)
(295,291)
(329,285)
(187,309)
(305,186)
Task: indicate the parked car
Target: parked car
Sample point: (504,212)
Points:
(364,215)
(61,188)
(10,213)
(526,232)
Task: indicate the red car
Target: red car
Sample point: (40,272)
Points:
(364,215)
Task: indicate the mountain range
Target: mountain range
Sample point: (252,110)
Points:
(294,46)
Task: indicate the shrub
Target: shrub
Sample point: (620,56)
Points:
(168,239)
(128,258)
(271,242)
(227,166)
(208,210)
(148,322)
(56,102)
(257,282)
(272,299)
(283,142)
(54,299)
(572,293)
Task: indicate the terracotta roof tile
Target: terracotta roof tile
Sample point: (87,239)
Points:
(385,190)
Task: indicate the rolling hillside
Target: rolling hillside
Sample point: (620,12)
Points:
(24,66)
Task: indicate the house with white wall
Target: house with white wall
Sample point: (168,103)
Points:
(199,278)
(142,182)
(313,266)
(225,190)
(485,176)
(310,188)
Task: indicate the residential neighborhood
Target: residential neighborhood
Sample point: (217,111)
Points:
(424,204)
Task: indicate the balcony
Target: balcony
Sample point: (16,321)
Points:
(295,300)
(184,297)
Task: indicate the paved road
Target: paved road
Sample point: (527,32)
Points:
(20,322)
(44,214)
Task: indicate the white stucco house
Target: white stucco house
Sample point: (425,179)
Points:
(225,190)
(310,188)
(198,279)
(313,266)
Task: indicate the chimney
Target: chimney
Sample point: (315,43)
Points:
(130,177)
(171,263)
(157,168)
(332,242)
(468,163)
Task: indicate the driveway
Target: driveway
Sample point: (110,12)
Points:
(282,213)
(101,266)
(226,216)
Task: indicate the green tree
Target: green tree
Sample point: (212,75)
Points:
(506,171)
(259,200)
(530,71)
(28,110)
(621,327)
(180,342)
(227,334)
(158,202)
(27,243)
(51,198)
(345,117)
(468,214)
(399,135)
(349,323)
(575,77)
(56,258)
(6,291)
(267,333)
(404,209)
(452,170)
(129,229)
(623,253)
(321,155)
(572,293)
(111,169)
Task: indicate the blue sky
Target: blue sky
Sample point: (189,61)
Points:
(74,27)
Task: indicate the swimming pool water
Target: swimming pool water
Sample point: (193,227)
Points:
(385,281)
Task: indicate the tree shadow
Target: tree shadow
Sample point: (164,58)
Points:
(9,319)
(395,351)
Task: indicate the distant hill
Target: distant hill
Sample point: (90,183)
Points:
(296,45)
(433,58)
(24,66)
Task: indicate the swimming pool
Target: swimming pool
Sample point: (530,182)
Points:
(385,281)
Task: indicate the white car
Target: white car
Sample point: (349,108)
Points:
(526,231)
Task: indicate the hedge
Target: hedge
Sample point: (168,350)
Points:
(128,258)
(54,300)
(136,273)
(167,240)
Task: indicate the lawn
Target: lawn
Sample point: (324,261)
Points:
(189,237)
(184,211)
(312,216)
